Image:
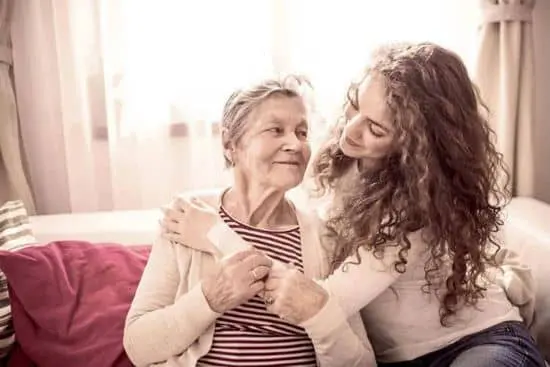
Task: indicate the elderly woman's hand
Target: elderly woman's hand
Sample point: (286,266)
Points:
(238,278)
(293,296)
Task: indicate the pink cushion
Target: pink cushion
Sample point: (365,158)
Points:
(18,358)
(70,299)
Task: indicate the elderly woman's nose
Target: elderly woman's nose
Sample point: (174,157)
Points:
(292,141)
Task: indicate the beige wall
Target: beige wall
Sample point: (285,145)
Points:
(541,25)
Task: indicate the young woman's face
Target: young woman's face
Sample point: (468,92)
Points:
(274,151)
(368,132)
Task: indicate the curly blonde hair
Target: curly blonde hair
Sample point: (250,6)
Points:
(441,176)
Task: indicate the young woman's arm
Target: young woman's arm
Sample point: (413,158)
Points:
(339,341)
(353,285)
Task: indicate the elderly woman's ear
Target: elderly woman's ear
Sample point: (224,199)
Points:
(230,157)
(228,149)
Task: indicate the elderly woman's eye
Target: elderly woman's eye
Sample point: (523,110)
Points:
(275,130)
(302,134)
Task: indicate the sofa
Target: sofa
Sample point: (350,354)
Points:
(527,231)
(69,298)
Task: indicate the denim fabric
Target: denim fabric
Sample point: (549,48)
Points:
(507,344)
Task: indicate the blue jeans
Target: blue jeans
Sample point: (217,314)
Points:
(507,344)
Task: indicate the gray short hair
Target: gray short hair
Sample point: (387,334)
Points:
(243,102)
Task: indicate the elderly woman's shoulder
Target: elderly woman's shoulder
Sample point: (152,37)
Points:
(210,195)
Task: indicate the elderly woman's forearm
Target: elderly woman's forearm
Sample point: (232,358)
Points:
(153,336)
(158,328)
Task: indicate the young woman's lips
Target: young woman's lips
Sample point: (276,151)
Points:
(352,142)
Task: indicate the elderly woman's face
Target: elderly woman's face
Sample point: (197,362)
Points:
(274,151)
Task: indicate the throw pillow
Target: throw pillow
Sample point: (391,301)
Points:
(15,233)
(70,300)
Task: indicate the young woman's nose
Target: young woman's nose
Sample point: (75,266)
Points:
(354,129)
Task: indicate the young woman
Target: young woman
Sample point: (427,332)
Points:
(412,174)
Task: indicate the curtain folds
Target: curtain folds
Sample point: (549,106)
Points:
(505,75)
(13,180)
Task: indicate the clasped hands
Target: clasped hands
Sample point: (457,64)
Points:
(244,274)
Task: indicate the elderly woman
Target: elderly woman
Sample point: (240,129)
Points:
(193,308)
(412,225)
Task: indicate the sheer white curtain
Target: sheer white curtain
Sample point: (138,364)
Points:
(505,72)
(119,99)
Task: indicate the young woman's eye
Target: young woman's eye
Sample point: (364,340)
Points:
(376,130)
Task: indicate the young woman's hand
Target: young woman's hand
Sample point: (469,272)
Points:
(291,295)
(238,278)
(189,218)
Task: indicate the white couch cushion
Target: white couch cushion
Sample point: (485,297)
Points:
(527,231)
(133,227)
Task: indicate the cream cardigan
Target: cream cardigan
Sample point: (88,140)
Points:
(171,324)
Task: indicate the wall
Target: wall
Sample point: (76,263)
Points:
(541,24)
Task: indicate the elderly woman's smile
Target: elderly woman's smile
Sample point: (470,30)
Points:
(289,163)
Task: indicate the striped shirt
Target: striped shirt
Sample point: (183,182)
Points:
(249,335)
